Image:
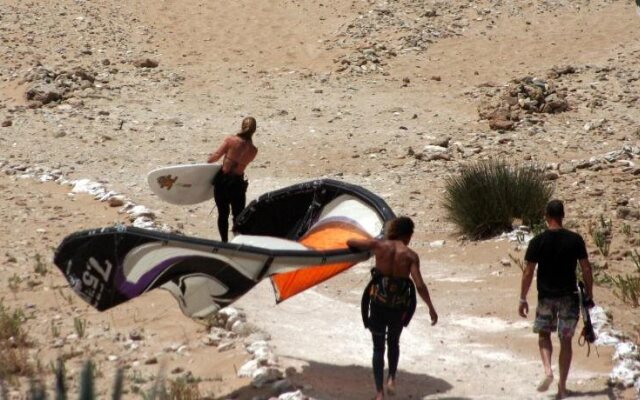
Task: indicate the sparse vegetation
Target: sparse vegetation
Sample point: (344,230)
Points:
(602,233)
(87,385)
(485,198)
(627,288)
(14,358)
(517,261)
(600,276)
(14,283)
(183,389)
(67,298)
(55,330)
(40,267)
(626,230)
(80,325)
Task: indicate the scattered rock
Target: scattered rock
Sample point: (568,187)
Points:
(501,124)
(136,335)
(146,63)
(551,175)
(116,201)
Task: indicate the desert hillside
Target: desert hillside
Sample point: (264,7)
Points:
(394,96)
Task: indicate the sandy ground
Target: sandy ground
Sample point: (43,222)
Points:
(280,61)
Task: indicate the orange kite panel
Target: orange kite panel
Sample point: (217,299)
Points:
(329,236)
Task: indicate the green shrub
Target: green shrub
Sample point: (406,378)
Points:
(485,198)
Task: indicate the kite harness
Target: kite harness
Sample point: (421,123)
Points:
(389,292)
(588,334)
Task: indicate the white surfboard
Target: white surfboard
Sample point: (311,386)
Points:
(184,184)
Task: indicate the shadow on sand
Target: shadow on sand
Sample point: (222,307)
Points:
(337,382)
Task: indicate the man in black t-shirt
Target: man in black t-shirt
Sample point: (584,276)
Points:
(556,252)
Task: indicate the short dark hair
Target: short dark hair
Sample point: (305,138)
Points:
(555,209)
(398,227)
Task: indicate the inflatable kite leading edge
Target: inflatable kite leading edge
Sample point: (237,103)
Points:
(296,236)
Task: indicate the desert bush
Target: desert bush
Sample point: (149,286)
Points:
(14,357)
(485,198)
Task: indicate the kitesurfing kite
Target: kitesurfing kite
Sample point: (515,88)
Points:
(295,236)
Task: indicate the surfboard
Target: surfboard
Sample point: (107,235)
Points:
(184,184)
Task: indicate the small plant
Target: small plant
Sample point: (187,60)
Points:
(11,328)
(183,389)
(600,276)
(635,257)
(485,198)
(626,230)
(118,384)
(55,330)
(87,384)
(80,325)
(61,388)
(14,359)
(137,377)
(37,390)
(538,228)
(517,261)
(67,298)
(602,233)
(40,267)
(627,288)
(158,390)
(14,282)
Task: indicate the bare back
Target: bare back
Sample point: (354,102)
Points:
(394,258)
(237,152)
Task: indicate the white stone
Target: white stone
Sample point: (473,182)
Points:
(626,350)
(297,395)
(625,373)
(247,369)
(140,211)
(431,149)
(87,186)
(226,345)
(257,346)
(264,375)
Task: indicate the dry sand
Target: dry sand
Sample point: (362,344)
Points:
(279,62)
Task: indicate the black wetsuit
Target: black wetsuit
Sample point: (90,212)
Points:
(230,194)
(388,304)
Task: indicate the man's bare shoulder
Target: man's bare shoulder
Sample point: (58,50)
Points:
(412,254)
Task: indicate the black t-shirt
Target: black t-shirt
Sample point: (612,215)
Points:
(556,251)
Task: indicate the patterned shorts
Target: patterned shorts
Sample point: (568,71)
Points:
(560,313)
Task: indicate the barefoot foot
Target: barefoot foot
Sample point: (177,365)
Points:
(545,383)
(391,387)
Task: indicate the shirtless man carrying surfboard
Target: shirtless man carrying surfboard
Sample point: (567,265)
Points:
(229,185)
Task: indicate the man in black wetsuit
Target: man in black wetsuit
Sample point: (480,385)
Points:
(387,302)
(556,251)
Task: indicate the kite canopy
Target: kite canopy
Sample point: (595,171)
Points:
(296,236)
